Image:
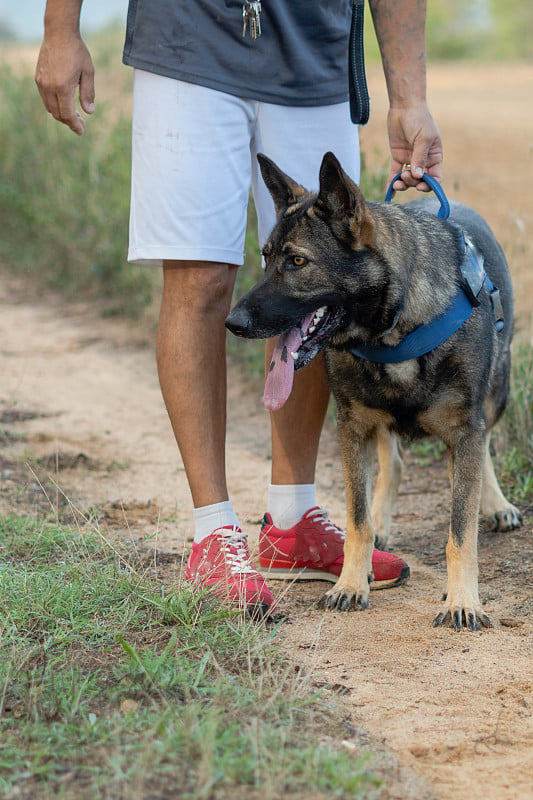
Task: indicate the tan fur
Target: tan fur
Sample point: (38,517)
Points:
(387,484)
(404,372)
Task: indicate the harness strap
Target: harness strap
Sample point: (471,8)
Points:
(429,336)
(424,338)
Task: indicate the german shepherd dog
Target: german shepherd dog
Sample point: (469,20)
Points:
(357,279)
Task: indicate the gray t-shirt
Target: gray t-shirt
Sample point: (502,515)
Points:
(301,58)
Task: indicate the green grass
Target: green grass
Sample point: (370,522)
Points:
(112,685)
(64,201)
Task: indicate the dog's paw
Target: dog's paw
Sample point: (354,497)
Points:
(473,618)
(507,519)
(380,541)
(344,600)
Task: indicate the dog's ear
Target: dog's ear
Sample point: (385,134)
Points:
(341,198)
(283,189)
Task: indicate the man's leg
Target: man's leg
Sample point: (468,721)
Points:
(191,360)
(296,427)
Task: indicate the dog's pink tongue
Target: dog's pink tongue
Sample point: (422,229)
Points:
(280,376)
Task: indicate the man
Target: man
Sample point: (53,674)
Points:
(207,97)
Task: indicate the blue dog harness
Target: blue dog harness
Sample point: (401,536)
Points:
(429,336)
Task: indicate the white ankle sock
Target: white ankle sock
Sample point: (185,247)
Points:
(288,503)
(208,518)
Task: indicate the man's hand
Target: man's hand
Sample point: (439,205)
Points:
(64,65)
(415,146)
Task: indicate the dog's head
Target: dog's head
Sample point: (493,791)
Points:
(320,275)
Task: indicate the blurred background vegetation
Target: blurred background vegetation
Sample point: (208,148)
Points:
(491,30)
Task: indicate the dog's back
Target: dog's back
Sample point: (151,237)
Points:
(479,231)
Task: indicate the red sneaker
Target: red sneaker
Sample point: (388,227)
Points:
(313,550)
(222,561)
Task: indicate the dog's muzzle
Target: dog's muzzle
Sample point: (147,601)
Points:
(239,322)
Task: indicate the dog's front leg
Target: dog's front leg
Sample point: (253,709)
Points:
(387,483)
(353,586)
(462,604)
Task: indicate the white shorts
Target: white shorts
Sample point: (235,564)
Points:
(194,161)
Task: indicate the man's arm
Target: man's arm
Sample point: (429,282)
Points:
(413,135)
(64,64)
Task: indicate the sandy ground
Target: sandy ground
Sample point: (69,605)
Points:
(448,715)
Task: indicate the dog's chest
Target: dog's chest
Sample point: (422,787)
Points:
(390,394)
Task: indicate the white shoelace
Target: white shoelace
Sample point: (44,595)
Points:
(321,515)
(236,552)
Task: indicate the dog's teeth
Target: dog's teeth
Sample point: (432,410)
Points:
(320,313)
(294,356)
(312,328)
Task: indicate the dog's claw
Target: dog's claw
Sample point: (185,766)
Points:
(343,601)
(346,602)
(441,619)
(461,618)
(508,519)
(472,622)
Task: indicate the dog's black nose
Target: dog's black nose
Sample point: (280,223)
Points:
(238,321)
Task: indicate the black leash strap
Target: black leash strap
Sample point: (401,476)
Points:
(359,99)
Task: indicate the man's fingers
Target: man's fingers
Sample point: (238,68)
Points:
(410,177)
(87,92)
(67,114)
(427,157)
(45,97)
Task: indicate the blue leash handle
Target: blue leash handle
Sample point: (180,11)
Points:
(444,210)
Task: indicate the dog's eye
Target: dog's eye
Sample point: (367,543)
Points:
(298,261)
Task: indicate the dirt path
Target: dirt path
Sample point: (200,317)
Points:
(448,715)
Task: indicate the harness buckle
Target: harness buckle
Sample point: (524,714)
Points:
(472,272)
(497,308)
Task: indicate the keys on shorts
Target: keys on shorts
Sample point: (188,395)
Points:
(251,17)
